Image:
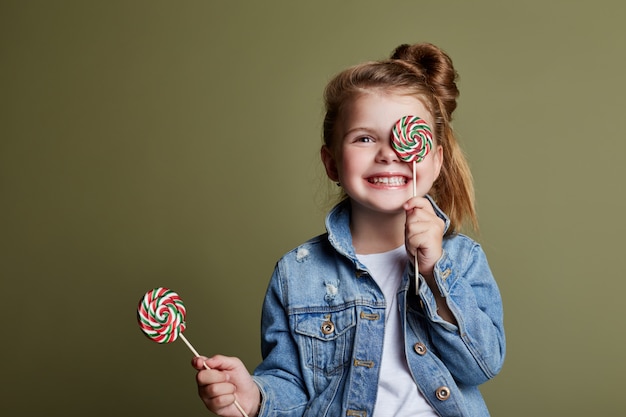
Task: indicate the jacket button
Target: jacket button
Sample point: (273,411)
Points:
(328,327)
(420,348)
(443,393)
(446,274)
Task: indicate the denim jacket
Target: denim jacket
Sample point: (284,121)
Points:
(323,325)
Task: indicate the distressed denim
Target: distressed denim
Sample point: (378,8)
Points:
(323,325)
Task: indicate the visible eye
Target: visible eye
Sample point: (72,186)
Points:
(364,139)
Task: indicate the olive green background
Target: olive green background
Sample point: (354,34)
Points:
(154,143)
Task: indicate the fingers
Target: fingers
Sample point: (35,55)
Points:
(198,362)
(419,203)
(211,376)
(421,217)
(225,385)
(216,369)
(220,362)
(214,387)
(423,233)
(216,396)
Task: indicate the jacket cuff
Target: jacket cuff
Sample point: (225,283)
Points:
(443,273)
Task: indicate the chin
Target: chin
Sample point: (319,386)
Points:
(390,209)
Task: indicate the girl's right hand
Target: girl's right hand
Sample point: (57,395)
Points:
(227,380)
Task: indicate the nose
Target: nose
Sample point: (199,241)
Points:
(386,154)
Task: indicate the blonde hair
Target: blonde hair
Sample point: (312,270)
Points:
(426,72)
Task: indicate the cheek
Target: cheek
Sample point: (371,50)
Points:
(347,163)
(428,170)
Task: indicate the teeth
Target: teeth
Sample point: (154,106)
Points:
(388,180)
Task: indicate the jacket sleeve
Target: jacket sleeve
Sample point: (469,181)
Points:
(474,349)
(279,376)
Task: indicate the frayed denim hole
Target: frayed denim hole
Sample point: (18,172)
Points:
(302,254)
(331,290)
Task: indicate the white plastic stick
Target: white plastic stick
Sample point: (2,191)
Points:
(417,280)
(414,178)
(195,352)
(184,339)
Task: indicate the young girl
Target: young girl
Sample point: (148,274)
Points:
(347,329)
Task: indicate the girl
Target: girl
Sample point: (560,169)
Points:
(347,329)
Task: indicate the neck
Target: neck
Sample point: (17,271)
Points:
(374,232)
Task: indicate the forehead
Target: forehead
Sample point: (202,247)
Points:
(381,110)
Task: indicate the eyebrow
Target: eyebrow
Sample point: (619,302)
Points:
(359,129)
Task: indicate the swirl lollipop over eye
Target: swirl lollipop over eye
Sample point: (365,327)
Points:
(412,138)
(161,315)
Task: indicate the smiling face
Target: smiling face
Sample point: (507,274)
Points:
(363,161)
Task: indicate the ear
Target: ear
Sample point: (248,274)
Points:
(438,160)
(329,163)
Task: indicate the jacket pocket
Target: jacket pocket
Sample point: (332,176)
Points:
(326,339)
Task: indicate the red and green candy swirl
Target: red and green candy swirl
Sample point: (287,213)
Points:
(412,138)
(161,315)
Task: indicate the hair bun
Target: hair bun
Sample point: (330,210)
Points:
(435,66)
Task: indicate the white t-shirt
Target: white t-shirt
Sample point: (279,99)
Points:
(398,395)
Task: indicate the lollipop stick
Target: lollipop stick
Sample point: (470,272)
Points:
(414,178)
(184,339)
(417,281)
(195,352)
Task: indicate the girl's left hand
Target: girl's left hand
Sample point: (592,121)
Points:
(423,234)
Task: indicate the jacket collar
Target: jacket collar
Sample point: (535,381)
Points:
(338,226)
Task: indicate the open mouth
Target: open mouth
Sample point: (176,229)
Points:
(393,181)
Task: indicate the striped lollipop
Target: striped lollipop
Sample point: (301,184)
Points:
(161,315)
(412,138)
